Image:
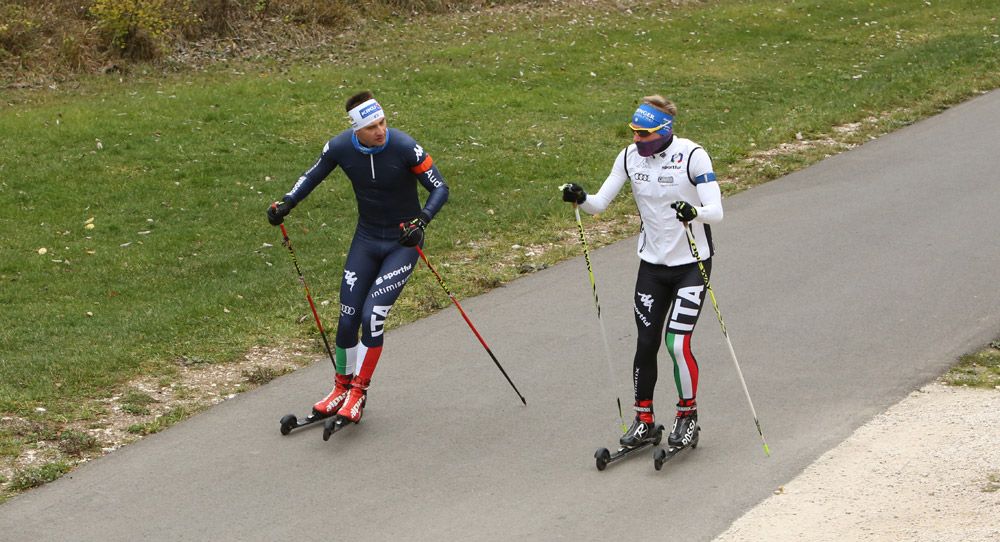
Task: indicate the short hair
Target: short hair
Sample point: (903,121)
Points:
(358,98)
(661,103)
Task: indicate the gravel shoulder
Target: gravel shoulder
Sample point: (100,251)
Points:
(895,480)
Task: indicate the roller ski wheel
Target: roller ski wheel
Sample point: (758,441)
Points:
(603,457)
(291,422)
(333,425)
(663,455)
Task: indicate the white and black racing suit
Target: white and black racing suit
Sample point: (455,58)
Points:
(669,281)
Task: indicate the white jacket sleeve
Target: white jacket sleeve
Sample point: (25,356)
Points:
(701,172)
(595,203)
(710,210)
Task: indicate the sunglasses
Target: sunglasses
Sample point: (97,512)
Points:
(645,132)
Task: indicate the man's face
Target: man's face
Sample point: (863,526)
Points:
(373,135)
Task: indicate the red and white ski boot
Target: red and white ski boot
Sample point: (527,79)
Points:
(332,402)
(354,406)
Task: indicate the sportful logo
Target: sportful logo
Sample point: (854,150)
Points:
(393,273)
(419,151)
(350,277)
(677,158)
(647,301)
(641,316)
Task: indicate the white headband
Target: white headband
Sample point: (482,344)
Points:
(366,113)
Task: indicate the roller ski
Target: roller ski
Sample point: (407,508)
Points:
(351,409)
(683,435)
(327,408)
(640,435)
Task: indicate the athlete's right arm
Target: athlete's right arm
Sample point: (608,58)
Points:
(314,175)
(595,203)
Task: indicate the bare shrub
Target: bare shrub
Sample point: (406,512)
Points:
(215,18)
(137,28)
(18,28)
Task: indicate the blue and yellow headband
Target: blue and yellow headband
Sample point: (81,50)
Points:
(650,119)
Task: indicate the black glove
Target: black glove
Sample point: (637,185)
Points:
(412,233)
(277,211)
(573,193)
(685,211)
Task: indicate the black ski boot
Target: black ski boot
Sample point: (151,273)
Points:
(640,433)
(638,437)
(685,429)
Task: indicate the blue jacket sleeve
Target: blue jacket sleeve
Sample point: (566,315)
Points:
(422,165)
(314,175)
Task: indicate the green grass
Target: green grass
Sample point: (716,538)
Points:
(169,418)
(979,370)
(35,476)
(136,403)
(182,268)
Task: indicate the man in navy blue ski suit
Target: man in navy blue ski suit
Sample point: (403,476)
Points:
(384,166)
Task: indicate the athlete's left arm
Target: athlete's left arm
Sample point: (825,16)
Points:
(701,174)
(429,176)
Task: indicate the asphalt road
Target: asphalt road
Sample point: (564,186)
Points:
(844,287)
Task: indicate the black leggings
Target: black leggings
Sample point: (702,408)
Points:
(661,290)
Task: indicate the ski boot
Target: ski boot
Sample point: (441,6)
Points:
(322,410)
(642,434)
(684,435)
(638,437)
(639,433)
(332,402)
(354,406)
(351,410)
(685,430)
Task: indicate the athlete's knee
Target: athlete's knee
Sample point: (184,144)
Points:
(647,344)
(373,322)
(350,317)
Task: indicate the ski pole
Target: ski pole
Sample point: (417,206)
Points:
(467,321)
(302,279)
(718,314)
(597,303)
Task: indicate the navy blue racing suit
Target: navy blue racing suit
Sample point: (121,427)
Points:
(385,186)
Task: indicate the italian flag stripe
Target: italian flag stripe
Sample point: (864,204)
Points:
(685,367)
